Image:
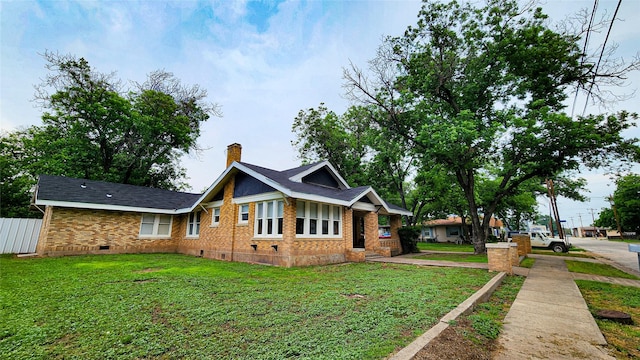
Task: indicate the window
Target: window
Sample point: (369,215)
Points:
(155,225)
(269,216)
(259,218)
(280,217)
(325,219)
(193,224)
(300,215)
(314,219)
(215,220)
(336,220)
(453,231)
(243,214)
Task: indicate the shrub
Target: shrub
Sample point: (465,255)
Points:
(409,238)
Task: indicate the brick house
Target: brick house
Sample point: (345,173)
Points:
(302,216)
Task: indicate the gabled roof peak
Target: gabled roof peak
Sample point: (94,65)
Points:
(312,168)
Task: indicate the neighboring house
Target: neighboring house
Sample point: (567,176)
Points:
(303,216)
(590,231)
(444,230)
(451,229)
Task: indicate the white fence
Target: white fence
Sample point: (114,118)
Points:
(19,236)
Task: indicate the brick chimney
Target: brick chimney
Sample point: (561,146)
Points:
(234,153)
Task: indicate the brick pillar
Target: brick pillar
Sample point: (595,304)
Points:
(288,231)
(396,223)
(347,228)
(524,244)
(234,153)
(499,257)
(371,235)
(513,251)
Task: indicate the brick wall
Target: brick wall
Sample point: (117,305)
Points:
(214,242)
(393,243)
(73,231)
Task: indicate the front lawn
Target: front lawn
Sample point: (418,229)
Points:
(573,252)
(622,338)
(482,258)
(597,269)
(445,247)
(175,306)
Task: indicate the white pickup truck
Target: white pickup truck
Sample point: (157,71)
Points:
(540,240)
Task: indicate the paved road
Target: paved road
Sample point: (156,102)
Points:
(616,251)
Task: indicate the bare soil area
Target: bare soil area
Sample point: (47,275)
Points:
(458,342)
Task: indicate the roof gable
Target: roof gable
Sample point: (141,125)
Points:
(322,177)
(317,174)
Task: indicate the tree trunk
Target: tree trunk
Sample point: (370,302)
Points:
(479,236)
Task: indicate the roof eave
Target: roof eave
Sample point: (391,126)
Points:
(93,206)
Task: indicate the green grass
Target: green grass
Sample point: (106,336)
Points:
(527,262)
(630,241)
(622,339)
(597,269)
(445,247)
(573,252)
(487,317)
(175,306)
(482,258)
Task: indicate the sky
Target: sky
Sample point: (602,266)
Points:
(261,61)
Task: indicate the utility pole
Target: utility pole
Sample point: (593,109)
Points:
(581,226)
(593,222)
(554,206)
(573,226)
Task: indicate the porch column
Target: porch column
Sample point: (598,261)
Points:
(371,235)
(395,221)
(347,228)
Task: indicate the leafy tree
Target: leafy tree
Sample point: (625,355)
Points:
(363,154)
(606,219)
(323,135)
(14,182)
(94,129)
(626,200)
(482,88)
(515,210)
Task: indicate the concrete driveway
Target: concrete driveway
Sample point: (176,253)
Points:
(616,251)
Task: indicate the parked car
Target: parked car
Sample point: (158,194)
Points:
(541,240)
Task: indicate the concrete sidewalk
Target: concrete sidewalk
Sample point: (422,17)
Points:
(549,319)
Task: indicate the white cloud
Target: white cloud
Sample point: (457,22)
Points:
(260,78)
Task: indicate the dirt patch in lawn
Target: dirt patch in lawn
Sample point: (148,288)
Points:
(458,342)
(147,270)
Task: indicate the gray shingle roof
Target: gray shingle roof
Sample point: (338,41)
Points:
(81,191)
(61,188)
(282,178)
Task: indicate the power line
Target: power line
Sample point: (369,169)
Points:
(604,45)
(584,50)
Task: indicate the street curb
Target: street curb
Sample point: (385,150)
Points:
(408,352)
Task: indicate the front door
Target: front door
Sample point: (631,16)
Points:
(358,230)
